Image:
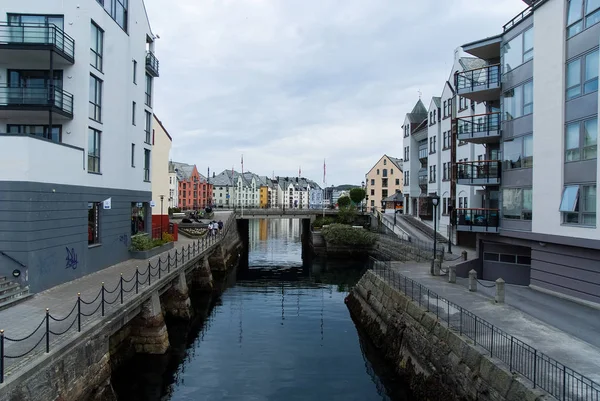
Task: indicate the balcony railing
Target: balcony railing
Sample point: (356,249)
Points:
(33,98)
(520,17)
(481,172)
(423,179)
(478,220)
(479,128)
(151,64)
(32,35)
(479,79)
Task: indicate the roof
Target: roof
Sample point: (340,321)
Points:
(471,63)
(184,171)
(163,127)
(399,163)
(418,113)
(397,197)
(420,127)
(437,101)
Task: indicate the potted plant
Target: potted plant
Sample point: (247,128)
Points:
(144,247)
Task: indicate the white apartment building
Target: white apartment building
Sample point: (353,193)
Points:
(173,187)
(76,91)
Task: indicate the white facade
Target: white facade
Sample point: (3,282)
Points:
(173,190)
(161,147)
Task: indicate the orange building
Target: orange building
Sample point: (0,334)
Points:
(194,190)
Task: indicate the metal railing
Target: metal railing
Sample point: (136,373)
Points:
(36,96)
(482,124)
(478,217)
(51,328)
(481,170)
(540,369)
(520,17)
(479,78)
(35,35)
(152,64)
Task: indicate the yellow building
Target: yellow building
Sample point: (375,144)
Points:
(384,179)
(264,196)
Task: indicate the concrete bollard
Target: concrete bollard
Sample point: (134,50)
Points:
(473,281)
(436,267)
(452,274)
(464,255)
(500,291)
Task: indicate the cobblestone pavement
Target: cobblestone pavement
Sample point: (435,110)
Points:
(21,320)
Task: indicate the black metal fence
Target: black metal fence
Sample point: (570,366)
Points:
(51,328)
(541,370)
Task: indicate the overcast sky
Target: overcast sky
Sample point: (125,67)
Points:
(288,83)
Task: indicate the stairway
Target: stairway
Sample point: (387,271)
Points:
(422,227)
(12,293)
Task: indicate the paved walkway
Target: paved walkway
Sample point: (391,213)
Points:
(565,331)
(22,319)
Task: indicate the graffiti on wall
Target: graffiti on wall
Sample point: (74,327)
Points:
(71,259)
(124,239)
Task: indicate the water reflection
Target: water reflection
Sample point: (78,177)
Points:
(279,331)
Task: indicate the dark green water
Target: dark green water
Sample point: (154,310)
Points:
(278,331)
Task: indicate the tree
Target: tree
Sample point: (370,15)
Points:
(357,195)
(344,202)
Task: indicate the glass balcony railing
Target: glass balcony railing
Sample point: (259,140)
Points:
(33,98)
(479,79)
(481,172)
(479,128)
(31,35)
(422,176)
(151,64)
(478,220)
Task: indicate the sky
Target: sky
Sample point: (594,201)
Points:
(291,83)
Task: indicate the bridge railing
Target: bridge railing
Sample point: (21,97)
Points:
(540,369)
(52,330)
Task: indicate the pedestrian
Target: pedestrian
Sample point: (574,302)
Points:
(210,228)
(220,223)
(215,227)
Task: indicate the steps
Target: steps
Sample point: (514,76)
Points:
(422,227)
(12,293)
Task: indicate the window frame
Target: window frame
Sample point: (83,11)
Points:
(148,89)
(96,102)
(148,127)
(525,214)
(585,16)
(575,213)
(97,151)
(122,17)
(526,54)
(147,162)
(580,86)
(133,158)
(523,105)
(46,134)
(581,140)
(523,161)
(97,53)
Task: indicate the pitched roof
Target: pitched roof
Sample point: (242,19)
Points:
(471,63)
(420,127)
(163,127)
(397,162)
(437,101)
(396,197)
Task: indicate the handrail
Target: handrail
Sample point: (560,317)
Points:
(13,259)
(47,34)
(478,115)
(479,68)
(519,17)
(479,161)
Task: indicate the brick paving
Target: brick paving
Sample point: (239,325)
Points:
(22,319)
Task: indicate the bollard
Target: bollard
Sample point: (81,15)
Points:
(437,264)
(452,274)
(473,281)
(464,255)
(500,291)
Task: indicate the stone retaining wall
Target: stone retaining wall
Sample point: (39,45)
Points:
(437,362)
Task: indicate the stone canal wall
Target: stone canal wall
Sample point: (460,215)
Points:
(437,362)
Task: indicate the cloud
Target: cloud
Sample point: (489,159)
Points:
(289,83)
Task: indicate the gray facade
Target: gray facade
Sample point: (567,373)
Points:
(45,228)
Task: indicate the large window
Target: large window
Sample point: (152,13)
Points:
(578,205)
(148,126)
(518,152)
(93,151)
(581,140)
(582,14)
(37,130)
(517,51)
(148,90)
(117,9)
(582,75)
(518,101)
(146,164)
(138,218)
(93,223)
(133,158)
(517,203)
(95,99)
(96,49)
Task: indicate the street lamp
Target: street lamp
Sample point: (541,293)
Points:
(362,203)
(435,200)
(162,197)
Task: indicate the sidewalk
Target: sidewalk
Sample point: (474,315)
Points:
(565,331)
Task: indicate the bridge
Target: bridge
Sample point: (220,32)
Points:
(283,213)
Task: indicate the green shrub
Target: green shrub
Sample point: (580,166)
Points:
(339,234)
(320,221)
(143,242)
(346,215)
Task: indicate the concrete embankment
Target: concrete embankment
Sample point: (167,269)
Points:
(436,361)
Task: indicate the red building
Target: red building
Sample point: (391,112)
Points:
(194,190)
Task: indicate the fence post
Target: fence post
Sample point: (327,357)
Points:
(511,353)
(1,356)
(159,266)
(500,292)
(47,330)
(149,274)
(189,250)
(534,367)
(475,336)
(564,397)
(461,320)
(492,344)
(102,290)
(448,303)
(79,311)
(176,258)
(121,285)
(137,280)
(473,281)
(452,274)
(182,254)
(169,262)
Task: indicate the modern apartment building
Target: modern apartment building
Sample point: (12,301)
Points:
(536,221)
(76,92)
(384,179)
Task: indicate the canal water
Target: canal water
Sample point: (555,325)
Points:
(278,330)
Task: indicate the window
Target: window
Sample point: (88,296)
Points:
(135,72)
(133,159)
(117,9)
(133,113)
(391,171)
(93,151)
(406,131)
(372,181)
(517,203)
(397,181)
(384,171)
(96,49)
(587,67)
(95,99)
(372,192)
(148,126)
(444,171)
(445,108)
(146,164)
(385,162)
(576,16)
(93,223)
(432,144)
(41,131)
(581,140)
(578,205)
(377,171)
(384,193)
(406,153)
(445,140)
(518,152)
(444,206)
(517,51)
(138,217)
(406,178)
(518,101)
(384,182)
(148,90)
(432,174)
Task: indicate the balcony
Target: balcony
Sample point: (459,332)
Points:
(28,101)
(480,84)
(41,37)
(151,64)
(480,129)
(478,220)
(423,154)
(481,172)
(423,179)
